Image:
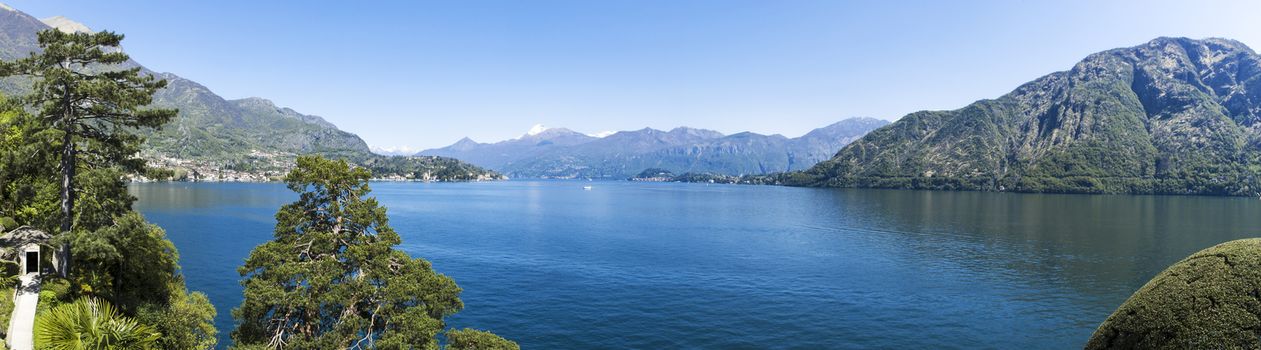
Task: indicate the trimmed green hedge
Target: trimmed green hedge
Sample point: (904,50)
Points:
(1210,300)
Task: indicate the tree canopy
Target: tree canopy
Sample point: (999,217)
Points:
(331,278)
(81,92)
(65,151)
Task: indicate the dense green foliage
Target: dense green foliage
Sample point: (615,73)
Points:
(53,292)
(6,308)
(472,339)
(28,168)
(184,321)
(128,262)
(75,160)
(654,173)
(91,324)
(1207,301)
(706,178)
(80,92)
(1174,116)
(7,223)
(424,168)
(331,278)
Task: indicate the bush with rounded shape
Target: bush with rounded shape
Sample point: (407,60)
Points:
(1210,300)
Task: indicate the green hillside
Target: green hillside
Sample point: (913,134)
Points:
(252,139)
(1173,116)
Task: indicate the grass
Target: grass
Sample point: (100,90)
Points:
(6,311)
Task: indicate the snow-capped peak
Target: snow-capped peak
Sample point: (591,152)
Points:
(66,25)
(602,134)
(536,129)
(395,150)
(6,7)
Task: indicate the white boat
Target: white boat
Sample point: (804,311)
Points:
(588,188)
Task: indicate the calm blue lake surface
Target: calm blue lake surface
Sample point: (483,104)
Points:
(655,265)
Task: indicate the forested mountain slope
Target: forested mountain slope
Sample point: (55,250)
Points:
(214,138)
(1174,115)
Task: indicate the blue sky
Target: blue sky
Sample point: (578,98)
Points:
(424,74)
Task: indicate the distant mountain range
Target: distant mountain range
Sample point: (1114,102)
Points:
(563,153)
(1172,116)
(251,138)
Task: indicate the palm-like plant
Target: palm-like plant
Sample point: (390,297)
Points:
(91,324)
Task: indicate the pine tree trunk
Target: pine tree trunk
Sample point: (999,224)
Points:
(67,182)
(67,198)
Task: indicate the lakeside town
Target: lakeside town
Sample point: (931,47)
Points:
(262,166)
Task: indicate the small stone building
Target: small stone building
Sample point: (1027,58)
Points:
(29,249)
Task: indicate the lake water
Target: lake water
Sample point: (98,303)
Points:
(669,266)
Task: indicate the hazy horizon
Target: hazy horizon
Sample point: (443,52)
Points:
(423,75)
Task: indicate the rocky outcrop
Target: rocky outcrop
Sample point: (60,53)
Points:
(1210,300)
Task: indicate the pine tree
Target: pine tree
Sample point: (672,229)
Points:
(82,90)
(331,278)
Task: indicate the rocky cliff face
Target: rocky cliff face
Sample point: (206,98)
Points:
(1174,115)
